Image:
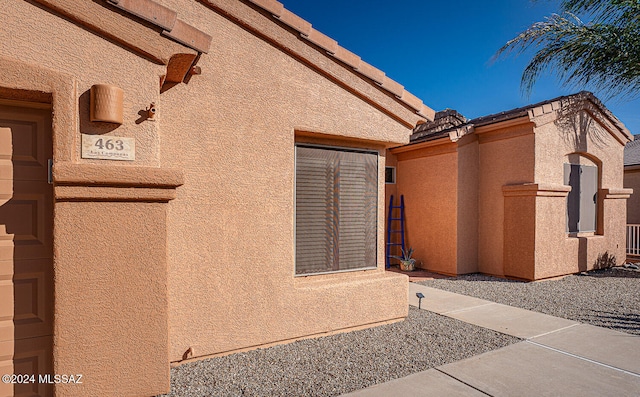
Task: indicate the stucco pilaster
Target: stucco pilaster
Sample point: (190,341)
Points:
(111,298)
(530,214)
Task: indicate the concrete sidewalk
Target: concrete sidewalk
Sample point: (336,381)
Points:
(557,357)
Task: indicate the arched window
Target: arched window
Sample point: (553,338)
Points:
(581,173)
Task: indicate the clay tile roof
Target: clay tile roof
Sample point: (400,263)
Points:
(547,107)
(632,152)
(448,120)
(523,111)
(348,58)
(443,122)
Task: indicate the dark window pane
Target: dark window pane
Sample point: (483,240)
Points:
(390,175)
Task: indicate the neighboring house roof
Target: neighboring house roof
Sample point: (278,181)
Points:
(432,130)
(442,123)
(632,152)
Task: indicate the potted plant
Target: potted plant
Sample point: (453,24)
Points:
(407,263)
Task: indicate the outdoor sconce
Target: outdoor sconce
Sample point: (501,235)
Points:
(106,103)
(420,296)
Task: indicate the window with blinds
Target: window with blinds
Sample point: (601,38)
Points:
(336,209)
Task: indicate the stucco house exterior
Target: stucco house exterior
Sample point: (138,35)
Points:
(530,193)
(632,179)
(181,179)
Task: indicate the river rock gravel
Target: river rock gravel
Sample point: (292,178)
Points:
(338,364)
(605,298)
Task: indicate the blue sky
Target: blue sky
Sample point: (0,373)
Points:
(441,51)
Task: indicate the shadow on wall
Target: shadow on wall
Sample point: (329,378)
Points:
(582,254)
(577,124)
(604,261)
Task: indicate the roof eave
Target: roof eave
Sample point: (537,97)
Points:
(333,50)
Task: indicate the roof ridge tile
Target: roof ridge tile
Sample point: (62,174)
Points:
(294,21)
(392,86)
(347,57)
(274,7)
(322,41)
(167,19)
(370,71)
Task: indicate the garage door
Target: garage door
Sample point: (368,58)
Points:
(26,265)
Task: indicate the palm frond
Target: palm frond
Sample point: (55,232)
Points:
(602,55)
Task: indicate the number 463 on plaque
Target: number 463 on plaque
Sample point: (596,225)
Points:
(108,147)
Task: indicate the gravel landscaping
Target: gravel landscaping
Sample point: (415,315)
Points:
(338,364)
(606,298)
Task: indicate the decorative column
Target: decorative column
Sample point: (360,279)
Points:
(534,215)
(110,267)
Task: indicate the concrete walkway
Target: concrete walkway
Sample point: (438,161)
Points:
(557,357)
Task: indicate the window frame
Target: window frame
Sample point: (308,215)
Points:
(393,174)
(376,214)
(572,199)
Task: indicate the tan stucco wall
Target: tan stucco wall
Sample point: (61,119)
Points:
(111,300)
(231,229)
(632,181)
(506,157)
(533,207)
(519,236)
(428,180)
(391,189)
(439,181)
(41,38)
(580,134)
(578,137)
(467,205)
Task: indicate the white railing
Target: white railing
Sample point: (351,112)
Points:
(633,239)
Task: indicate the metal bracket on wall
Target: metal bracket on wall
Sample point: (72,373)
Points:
(50,171)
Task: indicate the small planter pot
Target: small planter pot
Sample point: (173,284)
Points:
(408,266)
